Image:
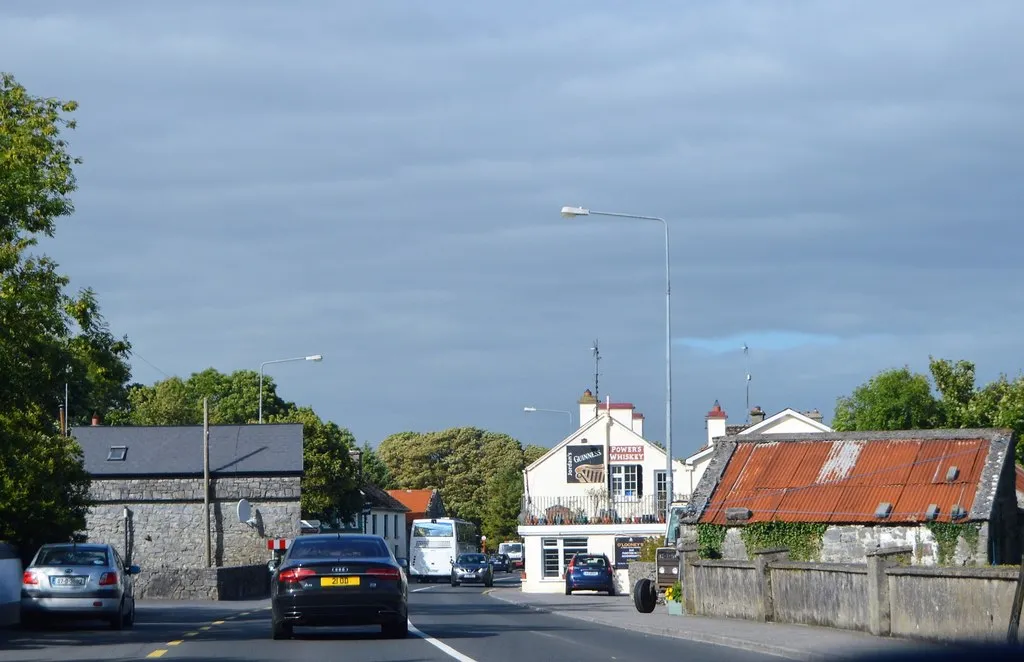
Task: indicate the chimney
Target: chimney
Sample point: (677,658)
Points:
(814,415)
(95,420)
(715,422)
(588,407)
(756,415)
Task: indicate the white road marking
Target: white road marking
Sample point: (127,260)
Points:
(425,588)
(440,645)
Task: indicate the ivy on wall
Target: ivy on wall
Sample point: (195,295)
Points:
(948,534)
(802,539)
(710,538)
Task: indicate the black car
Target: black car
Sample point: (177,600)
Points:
(472,568)
(501,562)
(339,579)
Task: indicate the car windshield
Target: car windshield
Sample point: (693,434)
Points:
(72,556)
(472,558)
(338,549)
(591,562)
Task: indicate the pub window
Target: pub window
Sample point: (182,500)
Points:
(558,552)
(570,548)
(627,480)
(552,569)
(374,530)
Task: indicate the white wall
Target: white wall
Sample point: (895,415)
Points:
(10,586)
(394,531)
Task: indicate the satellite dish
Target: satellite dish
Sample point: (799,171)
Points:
(244,511)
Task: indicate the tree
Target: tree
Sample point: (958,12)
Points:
(374,469)
(900,400)
(329,483)
(48,338)
(895,399)
(470,467)
(532,453)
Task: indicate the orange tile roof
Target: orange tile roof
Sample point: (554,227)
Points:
(843,477)
(417,501)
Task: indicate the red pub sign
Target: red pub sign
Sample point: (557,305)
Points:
(626,454)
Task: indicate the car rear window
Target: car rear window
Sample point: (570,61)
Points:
(72,556)
(338,549)
(591,562)
(472,558)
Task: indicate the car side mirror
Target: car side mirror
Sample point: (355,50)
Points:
(134,570)
(272,564)
(404,563)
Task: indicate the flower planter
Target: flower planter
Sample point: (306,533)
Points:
(674,608)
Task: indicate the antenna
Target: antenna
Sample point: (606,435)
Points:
(746,358)
(597,366)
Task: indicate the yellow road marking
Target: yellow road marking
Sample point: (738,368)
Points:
(158,653)
(174,643)
(191,634)
(218,622)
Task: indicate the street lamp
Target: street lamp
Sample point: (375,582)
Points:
(573,212)
(313,357)
(555,411)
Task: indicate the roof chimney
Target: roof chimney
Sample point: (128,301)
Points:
(715,422)
(588,407)
(814,415)
(756,415)
(95,420)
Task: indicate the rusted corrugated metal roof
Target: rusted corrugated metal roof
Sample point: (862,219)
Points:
(846,480)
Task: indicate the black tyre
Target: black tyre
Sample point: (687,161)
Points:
(280,630)
(568,591)
(117,622)
(396,630)
(645,596)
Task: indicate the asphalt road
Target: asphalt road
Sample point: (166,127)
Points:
(449,624)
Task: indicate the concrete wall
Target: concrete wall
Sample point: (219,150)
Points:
(227,583)
(885,596)
(852,544)
(10,585)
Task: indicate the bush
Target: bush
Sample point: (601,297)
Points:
(649,549)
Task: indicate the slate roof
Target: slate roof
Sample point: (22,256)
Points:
(844,477)
(270,449)
(381,499)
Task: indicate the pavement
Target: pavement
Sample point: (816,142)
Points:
(449,623)
(796,642)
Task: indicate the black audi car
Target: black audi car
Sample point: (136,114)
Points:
(334,580)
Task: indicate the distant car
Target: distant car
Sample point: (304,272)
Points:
(501,562)
(472,568)
(79,581)
(590,572)
(339,579)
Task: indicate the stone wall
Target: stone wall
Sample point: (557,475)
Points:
(852,544)
(638,570)
(166,529)
(250,582)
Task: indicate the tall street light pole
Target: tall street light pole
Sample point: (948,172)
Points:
(574,212)
(313,357)
(554,411)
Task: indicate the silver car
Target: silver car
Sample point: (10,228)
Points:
(79,580)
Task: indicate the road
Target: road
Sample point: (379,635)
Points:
(449,623)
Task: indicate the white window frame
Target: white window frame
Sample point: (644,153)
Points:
(626,481)
(556,554)
(661,488)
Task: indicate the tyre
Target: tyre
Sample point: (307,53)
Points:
(611,590)
(130,621)
(645,596)
(568,591)
(280,630)
(117,622)
(396,630)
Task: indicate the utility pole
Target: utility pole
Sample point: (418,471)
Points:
(206,479)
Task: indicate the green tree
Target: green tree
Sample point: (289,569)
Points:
(48,337)
(896,399)
(532,453)
(374,469)
(501,510)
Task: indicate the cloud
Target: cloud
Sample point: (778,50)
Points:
(381,184)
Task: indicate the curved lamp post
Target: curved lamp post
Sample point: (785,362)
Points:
(312,357)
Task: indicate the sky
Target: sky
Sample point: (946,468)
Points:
(380,183)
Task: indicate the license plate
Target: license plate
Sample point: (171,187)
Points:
(339,581)
(590,573)
(67,581)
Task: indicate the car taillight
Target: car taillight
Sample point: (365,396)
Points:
(293,575)
(29,578)
(108,579)
(384,573)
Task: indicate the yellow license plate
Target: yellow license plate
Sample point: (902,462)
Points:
(339,581)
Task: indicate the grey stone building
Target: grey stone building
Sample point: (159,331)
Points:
(147,488)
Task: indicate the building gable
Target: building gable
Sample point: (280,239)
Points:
(582,432)
(786,416)
(844,478)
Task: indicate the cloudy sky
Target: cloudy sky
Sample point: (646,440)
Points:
(380,182)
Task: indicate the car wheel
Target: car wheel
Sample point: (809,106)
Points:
(280,630)
(117,622)
(568,591)
(130,621)
(645,595)
(396,630)
(611,590)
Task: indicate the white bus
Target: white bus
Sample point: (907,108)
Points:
(434,543)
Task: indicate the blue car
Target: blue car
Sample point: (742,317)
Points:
(590,572)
